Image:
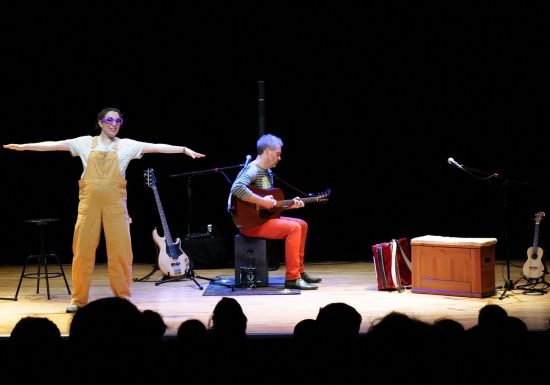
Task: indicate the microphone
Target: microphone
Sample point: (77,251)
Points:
(454,163)
(248,157)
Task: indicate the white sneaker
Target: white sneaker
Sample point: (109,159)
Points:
(72,308)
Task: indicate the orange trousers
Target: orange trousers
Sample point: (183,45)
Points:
(294,232)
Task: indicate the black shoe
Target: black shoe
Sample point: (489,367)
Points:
(309,279)
(299,284)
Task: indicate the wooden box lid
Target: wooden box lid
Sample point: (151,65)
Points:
(452,241)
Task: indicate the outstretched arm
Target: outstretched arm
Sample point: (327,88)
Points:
(49,145)
(169,149)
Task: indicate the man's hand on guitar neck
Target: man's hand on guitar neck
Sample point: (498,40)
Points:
(269,202)
(297,203)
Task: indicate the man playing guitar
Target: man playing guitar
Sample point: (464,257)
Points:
(258,175)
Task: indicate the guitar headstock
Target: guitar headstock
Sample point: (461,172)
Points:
(150,179)
(323,197)
(539,216)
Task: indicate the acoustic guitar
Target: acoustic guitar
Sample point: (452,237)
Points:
(533,267)
(247,214)
(172,261)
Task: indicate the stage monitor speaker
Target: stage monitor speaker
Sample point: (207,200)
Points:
(206,253)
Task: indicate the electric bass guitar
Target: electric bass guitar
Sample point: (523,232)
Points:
(533,267)
(172,261)
(247,214)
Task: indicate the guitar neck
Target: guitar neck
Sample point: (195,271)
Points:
(165,229)
(536,239)
(290,202)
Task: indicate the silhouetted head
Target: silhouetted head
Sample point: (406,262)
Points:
(108,321)
(449,326)
(35,330)
(491,315)
(191,331)
(154,324)
(339,320)
(228,319)
(306,331)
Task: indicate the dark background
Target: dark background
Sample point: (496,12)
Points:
(369,99)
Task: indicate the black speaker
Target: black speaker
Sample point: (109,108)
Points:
(251,262)
(206,253)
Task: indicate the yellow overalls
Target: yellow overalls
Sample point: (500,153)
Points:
(102,202)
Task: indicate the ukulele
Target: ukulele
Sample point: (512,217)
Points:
(533,267)
(172,261)
(247,214)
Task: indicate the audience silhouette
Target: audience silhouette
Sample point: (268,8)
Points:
(337,349)
(110,339)
(192,333)
(111,335)
(228,321)
(306,332)
(400,339)
(194,347)
(227,330)
(339,322)
(154,325)
(37,331)
(34,342)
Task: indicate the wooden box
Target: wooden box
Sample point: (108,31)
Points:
(453,266)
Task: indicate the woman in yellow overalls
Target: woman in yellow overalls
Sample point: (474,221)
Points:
(102,196)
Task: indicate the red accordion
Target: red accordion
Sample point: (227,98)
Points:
(392,264)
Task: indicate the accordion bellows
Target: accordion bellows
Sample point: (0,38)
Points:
(392,264)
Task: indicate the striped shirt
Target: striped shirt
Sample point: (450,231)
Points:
(251,175)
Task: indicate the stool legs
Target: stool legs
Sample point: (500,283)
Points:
(60,268)
(23,275)
(42,259)
(38,276)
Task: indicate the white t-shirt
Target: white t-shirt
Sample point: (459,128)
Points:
(128,149)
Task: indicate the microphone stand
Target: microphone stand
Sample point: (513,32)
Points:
(508,283)
(191,274)
(190,176)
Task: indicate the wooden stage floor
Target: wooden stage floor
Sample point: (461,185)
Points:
(353,283)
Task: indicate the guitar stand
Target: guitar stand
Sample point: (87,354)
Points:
(189,275)
(164,279)
(534,286)
(145,278)
(192,276)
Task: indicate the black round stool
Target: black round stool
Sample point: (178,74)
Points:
(42,260)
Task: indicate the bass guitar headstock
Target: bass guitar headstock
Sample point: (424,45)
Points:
(150,180)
